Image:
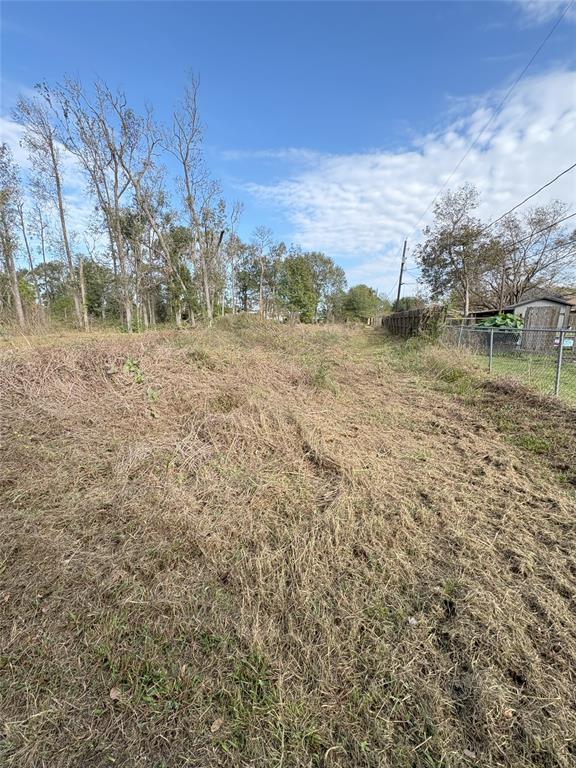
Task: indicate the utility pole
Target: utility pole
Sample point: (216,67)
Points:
(401,274)
(503,277)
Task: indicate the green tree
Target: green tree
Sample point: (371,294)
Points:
(297,287)
(55,280)
(408,302)
(454,254)
(247,277)
(100,289)
(361,302)
(329,283)
(182,294)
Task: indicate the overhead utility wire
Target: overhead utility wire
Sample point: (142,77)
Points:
(518,205)
(489,122)
(548,183)
(498,109)
(539,231)
(522,240)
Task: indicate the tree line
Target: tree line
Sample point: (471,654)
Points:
(155,250)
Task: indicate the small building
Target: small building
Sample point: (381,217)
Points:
(544,311)
(558,308)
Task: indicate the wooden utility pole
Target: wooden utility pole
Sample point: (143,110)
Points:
(502,279)
(396,305)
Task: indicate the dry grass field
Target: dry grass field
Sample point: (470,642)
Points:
(268,546)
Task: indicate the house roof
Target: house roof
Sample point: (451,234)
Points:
(569,301)
(486,312)
(544,297)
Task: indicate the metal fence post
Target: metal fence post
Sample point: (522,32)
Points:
(559,363)
(491,350)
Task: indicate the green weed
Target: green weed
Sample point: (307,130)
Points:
(132,367)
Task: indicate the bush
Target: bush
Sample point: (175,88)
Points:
(502,320)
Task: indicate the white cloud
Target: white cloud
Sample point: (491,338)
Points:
(540,11)
(292,154)
(359,207)
(11,133)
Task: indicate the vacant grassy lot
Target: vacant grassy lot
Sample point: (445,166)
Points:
(270,546)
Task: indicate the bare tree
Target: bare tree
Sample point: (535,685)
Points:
(142,173)
(82,286)
(185,144)
(39,116)
(262,239)
(533,252)
(105,149)
(39,227)
(209,239)
(233,248)
(9,206)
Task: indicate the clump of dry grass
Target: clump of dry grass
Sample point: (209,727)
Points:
(266,546)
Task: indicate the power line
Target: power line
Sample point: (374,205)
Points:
(513,244)
(539,231)
(497,110)
(518,205)
(388,294)
(548,183)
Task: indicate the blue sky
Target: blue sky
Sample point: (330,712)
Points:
(333,122)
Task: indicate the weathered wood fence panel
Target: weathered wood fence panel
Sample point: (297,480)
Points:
(412,322)
(536,318)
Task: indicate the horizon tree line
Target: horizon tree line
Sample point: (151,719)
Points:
(153,251)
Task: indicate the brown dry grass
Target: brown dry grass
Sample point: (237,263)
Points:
(260,546)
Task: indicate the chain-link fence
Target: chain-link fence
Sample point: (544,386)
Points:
(542,358)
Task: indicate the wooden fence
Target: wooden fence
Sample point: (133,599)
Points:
(536,319)
(414,321)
